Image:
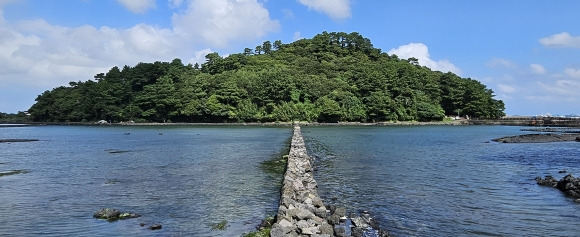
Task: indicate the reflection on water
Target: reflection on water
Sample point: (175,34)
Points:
(188,179)
(445,180)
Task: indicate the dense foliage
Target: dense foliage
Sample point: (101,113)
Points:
(329,78)
(19,117)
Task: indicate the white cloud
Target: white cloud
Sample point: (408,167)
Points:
(297,36)
(564,40)
(199,56)
(37,54)
(506,88)
(335,9)
(567,88)
(175,3)
(137,6)
(501,63)
(288,14)
(218,22)
(573,72)
(421,52)
(537,69)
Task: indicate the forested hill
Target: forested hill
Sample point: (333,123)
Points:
(331,77)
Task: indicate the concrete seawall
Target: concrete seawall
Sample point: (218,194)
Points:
(301,211)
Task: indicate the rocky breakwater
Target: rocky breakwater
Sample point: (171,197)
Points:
(301,211)
(568,185)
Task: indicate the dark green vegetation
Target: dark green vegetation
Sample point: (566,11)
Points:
(329,78)
(14,118)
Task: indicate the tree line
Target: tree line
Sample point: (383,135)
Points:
(330,78)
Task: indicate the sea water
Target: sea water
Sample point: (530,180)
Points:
(446,180)
(189,179)
(415,180)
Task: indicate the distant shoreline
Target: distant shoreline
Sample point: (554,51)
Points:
(452,123)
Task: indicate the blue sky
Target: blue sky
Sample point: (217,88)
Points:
(526,51)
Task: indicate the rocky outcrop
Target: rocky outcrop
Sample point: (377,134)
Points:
(111,214)
(569,185)
(301,211)
(539,138)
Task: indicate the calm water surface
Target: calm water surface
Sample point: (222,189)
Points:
(417,181)
(186,178)
(446,180)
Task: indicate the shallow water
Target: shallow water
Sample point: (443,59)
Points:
(446,180)
(185,178)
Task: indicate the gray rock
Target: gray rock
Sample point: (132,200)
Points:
(334,219)
(357,232)
(286,224)
(279,231)
(341,211)
(107,213)
(326,229)
(303,214)
(310,230)
(339,231)
(359,222)
(302,224)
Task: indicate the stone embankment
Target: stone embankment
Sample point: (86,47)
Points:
(301,211)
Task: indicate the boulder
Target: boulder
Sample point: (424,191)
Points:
(107,213)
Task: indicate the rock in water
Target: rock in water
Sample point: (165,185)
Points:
(548,181)
(113,214)
(155,227)
(128,215)
(107,213)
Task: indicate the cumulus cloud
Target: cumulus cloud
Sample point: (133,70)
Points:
(138,6)
(563,40)
(537,69)
(421,52)
(38,54)
(335,9)
(218,22)
(573,72)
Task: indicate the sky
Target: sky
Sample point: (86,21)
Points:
(526,51)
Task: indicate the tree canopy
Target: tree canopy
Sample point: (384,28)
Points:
(330,78)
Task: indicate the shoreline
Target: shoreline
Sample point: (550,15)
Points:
(452,123)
